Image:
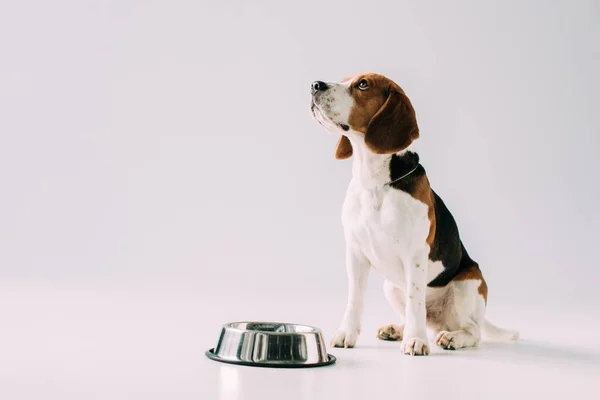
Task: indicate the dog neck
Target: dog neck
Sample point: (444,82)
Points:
(376,170)
(402,166)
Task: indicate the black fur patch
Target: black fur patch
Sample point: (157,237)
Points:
(447,246)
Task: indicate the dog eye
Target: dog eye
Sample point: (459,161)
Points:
(363,84)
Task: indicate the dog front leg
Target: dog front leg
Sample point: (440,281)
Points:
(415,340)
(357,267)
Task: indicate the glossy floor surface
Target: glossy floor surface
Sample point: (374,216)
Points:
(149,343)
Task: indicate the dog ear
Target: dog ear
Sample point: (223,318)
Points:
(343,149)
(394,126)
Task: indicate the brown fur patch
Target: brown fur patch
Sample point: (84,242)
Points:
(473,272)
(483,289)
(343,149)
(422,192)
(368,102)
(383,113)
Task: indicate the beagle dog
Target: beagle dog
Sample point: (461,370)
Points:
(395,223)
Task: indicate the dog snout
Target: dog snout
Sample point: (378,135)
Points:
(318,86)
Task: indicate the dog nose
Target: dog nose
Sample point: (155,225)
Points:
(318,86)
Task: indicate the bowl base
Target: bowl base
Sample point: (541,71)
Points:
(211,354)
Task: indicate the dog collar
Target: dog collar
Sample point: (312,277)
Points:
(403,176)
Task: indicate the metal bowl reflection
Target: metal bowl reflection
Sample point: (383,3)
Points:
(271,344)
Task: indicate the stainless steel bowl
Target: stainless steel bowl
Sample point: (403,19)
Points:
(271,344)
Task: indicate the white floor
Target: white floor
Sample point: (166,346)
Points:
(149,343)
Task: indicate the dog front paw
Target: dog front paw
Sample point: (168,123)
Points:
(415,346)
(345,338)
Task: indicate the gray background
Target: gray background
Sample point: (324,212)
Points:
(161,175)
(170,144)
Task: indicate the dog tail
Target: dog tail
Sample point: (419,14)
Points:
(492,331)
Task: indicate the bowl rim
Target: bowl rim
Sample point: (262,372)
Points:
(310,331)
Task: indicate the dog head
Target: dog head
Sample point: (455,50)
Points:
(370,108)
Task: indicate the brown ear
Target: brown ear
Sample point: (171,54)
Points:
(344,148)
(394,126)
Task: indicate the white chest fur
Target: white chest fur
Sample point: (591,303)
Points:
(388,226)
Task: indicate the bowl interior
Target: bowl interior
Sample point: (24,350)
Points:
(272,327)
